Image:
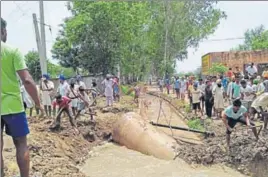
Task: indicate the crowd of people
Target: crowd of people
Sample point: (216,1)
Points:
(19,92)
(71,98)
(234,96)
(206,96)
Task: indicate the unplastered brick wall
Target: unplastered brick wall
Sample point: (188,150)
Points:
(240,58)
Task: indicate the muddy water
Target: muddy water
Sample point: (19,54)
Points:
(115,161)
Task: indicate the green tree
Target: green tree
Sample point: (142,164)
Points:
(140,37)
(255,39)
(33,64)
(218,68)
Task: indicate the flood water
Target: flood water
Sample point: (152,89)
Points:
(111,160)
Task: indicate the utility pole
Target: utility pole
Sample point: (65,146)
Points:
(43,34)
(39,45)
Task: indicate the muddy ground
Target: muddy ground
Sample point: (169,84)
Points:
(245,155)
(59,154)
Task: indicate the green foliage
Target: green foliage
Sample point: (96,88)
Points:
(195,124)
(56,70)
(141,37)
(255,39)
(188,108)
(125,90)
(218,68)
(33,63)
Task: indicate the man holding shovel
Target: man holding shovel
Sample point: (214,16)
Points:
(234,114)
(63,106)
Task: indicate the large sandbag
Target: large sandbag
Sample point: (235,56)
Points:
(137,134)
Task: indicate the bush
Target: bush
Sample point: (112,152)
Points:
(125,89)
(195,124)
(188,108)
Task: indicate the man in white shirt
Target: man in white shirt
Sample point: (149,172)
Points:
(230,88)
(260,106)
(182,88)
(47,87)
(202,87)
(247,94)
(80,83)
(252,70)
(214,84)
(196,93)
(63,87)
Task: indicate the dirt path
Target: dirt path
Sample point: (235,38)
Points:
(168,116)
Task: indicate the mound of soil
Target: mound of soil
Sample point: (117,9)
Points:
(245,154)
(61,153)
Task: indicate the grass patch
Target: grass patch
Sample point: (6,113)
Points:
(125,90)
(188,108)
(195,124)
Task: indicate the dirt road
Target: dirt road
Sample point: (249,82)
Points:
(168,116)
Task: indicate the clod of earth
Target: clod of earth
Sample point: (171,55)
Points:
(115,110)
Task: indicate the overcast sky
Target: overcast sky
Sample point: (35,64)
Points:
(241,15)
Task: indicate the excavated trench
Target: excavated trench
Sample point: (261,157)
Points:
(118,161)
(65,154)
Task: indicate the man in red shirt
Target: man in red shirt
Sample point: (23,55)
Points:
(229,73)
(63,106)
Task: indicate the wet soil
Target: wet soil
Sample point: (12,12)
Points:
(60,153)
(245,154)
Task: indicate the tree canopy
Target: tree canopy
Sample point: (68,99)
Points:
(139,37)
(33,64)
(255,39)
(218,68)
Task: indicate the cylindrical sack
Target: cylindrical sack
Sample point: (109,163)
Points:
(137,134)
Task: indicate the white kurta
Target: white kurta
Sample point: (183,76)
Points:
(63,88)
(81,83)
(218,97)
(71,92)
(26,97)
(108,87)
(46,95)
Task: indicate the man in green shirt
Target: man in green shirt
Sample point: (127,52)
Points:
(13,117)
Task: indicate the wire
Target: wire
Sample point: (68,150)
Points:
(22,11)
(15,10)
(225,39)
(26,14)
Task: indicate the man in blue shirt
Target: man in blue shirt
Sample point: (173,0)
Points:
(167,83)
(177,87)
(224,82)
(234,114)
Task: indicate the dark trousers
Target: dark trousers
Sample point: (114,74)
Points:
(208,106)
(58,118)
(232,122)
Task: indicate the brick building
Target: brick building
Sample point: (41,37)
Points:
(233,59)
